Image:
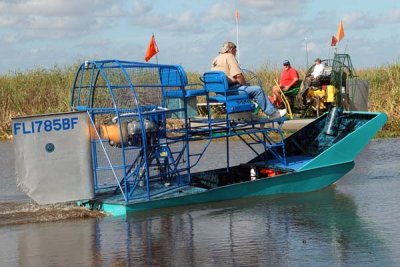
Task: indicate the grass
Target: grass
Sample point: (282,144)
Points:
(384,95)
(41,91)
(38,91)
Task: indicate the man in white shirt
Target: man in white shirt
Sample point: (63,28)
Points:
(318,68)
(317,72)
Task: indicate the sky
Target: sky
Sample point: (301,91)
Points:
(48,33)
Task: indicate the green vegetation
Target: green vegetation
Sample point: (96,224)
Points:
(37,91)
(42,91)
(384,95)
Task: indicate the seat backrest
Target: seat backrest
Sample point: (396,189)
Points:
(173,76)
(327,70)
(215,81)
(294,90)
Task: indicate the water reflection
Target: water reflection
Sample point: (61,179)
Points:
(316,229)
(354,224)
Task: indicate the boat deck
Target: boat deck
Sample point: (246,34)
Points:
(161,191)
(293,162)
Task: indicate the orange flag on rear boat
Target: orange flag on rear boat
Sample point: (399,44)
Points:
(340,32)
(237,15)
(333,41)
(152,49)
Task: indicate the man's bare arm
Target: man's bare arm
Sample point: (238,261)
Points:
(240,79)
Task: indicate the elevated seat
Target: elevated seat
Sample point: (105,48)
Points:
(289,97)
(177,90)
(188,93)
(235,100)
(176,84)
(292,92)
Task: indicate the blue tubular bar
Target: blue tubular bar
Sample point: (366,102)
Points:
(135,149)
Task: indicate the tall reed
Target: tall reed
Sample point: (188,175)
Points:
(42,91)
(384,95)
(33,92)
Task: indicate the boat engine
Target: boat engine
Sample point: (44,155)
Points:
(130,133)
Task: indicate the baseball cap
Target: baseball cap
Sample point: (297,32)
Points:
(226,46)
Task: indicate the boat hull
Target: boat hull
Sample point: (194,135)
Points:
(296,182)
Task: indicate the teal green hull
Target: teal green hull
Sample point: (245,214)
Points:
(297,182)
(313,172)
(349,147)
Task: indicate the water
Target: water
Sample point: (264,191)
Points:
(354,223)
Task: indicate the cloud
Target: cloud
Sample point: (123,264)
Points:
(391,17)
(10,38)
(38,19)
(394,16)
(281,30)
(47,8)
(185,21)
(181,23)
(7,20)
(358,21)
(365,21)
(276,8)
(189,32)
(253,13)
(139,8)
(218,12)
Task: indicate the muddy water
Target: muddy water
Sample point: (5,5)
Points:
(354,223)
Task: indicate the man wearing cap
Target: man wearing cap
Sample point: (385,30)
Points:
(289,79)
(318,68)
(316,73)
(226,62)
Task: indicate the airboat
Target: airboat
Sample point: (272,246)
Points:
(127,145)
(310,100)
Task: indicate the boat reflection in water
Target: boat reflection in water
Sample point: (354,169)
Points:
(313,228)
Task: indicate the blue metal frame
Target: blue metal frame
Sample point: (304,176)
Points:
(148,158)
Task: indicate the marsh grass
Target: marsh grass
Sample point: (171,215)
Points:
(41,91)
(34,92)
(384,95)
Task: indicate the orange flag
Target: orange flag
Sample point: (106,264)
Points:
(152,49)
(340,32)
(237,15)
(333,41)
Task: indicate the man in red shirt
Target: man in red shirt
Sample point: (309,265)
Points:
(289,79)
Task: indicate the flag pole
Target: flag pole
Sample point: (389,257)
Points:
(345,48)
(237,31)
(329,51)
(305,39)
(157,49)
(237,40)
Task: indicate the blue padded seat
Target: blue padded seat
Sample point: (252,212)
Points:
(222,98)
(216,82)
(176,82)
(177,93)
(235,100)
(188,93)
